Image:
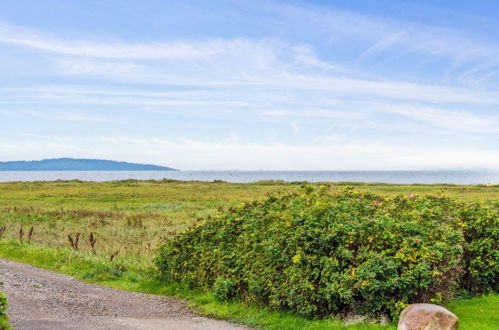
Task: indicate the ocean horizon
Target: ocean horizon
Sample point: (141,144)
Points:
(240,176)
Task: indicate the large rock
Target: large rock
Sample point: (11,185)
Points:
(427,317)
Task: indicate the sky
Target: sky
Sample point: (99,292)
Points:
(252,85)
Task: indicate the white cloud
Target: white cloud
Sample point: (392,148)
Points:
(93,67)
(85,118)
(454,49)
(457,120)
(33,39)
(383,33)
(239,154)
(239,63)
(311,113)
(386,42)
(267,80)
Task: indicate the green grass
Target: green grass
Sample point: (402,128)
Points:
(128,277)
(132,217)
(477,313)
(4,323)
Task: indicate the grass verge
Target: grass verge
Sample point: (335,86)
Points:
(4,321)
(476,313)
(139,279)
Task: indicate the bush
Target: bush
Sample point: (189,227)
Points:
(224,288)
(4,325)
(323,252)
(481,250)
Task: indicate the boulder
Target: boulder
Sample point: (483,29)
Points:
(427,317)
(352,319)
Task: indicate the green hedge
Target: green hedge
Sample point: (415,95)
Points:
(4,325)
(325,252)
(481,247)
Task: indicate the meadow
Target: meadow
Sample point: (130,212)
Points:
(110,232)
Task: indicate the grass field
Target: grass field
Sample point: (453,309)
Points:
(128,220)
(132,216)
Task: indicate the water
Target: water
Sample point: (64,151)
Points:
(436,176)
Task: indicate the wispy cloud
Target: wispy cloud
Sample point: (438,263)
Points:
(374,39)
(234,62)
(386,42)
(339,88)
(93,67)
(311,113)
(25,37)
(90,119)
(457,120)
(354,155)
(386,33)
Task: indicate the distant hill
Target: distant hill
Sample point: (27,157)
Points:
(74,164)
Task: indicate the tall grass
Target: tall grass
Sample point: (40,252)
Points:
(121,224)
(130,218)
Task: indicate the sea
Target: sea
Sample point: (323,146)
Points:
(402,177)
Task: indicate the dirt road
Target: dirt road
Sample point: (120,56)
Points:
(40,299)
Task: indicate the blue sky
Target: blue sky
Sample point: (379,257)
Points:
(331,85)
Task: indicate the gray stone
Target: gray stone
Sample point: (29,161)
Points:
(427,317)
(353,319)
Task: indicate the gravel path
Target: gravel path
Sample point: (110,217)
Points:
(41,299)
